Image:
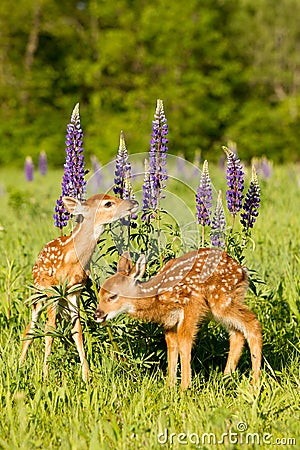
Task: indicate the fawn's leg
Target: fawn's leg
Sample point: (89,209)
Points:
(29,331)
(185,333)
(255,344)
(77,333)
(240,318)
(51,323)
(172,344)
(236,340)
(247,323)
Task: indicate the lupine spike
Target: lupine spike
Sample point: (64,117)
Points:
(43,163)
(73,183)
(251,203)
(28,168)
(263,166)
(204,197)
(266,167)
(235,182)
(157,154)
(122,166)
(218,224)
(123,186)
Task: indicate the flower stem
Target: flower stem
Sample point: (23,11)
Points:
(232,223)
(128,232)
(158,221)
(203,236)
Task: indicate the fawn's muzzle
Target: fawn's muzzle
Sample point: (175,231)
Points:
(100,316)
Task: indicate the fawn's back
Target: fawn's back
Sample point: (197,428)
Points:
(209,275)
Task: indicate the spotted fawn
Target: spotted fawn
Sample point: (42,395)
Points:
(202,283)
(66,259)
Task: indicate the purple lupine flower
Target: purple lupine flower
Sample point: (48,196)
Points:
(251,203)
(266,168)
(43,166)
(28,168)
(123,186)
(235,182)
(218,224)
(74,167)
(157,154)
(73,182)
(61,215)
(122,167)
(263,166)
(204,197)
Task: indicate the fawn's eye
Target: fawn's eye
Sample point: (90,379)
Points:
(113,297)
(108,204)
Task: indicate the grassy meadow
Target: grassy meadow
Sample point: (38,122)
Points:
(127,404)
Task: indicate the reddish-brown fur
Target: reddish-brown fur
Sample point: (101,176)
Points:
(199,284)
(67,258)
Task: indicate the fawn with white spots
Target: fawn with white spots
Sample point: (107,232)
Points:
(66,259)
(199,284)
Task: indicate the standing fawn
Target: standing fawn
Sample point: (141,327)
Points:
(66,259)
(205,282)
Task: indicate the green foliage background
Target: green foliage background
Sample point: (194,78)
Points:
(226,69)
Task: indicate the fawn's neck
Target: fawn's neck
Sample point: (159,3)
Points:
(143,307)
(84,240)
(153,308)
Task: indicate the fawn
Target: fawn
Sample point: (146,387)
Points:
(187,289)
(66,259)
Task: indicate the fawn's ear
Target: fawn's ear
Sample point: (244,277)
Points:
(125,263)
(139,269)
(73,205)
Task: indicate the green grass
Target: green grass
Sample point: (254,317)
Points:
(127,404)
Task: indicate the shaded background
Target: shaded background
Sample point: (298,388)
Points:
(225,69)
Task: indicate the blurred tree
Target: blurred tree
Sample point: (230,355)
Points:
(268,121)
(225,70)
